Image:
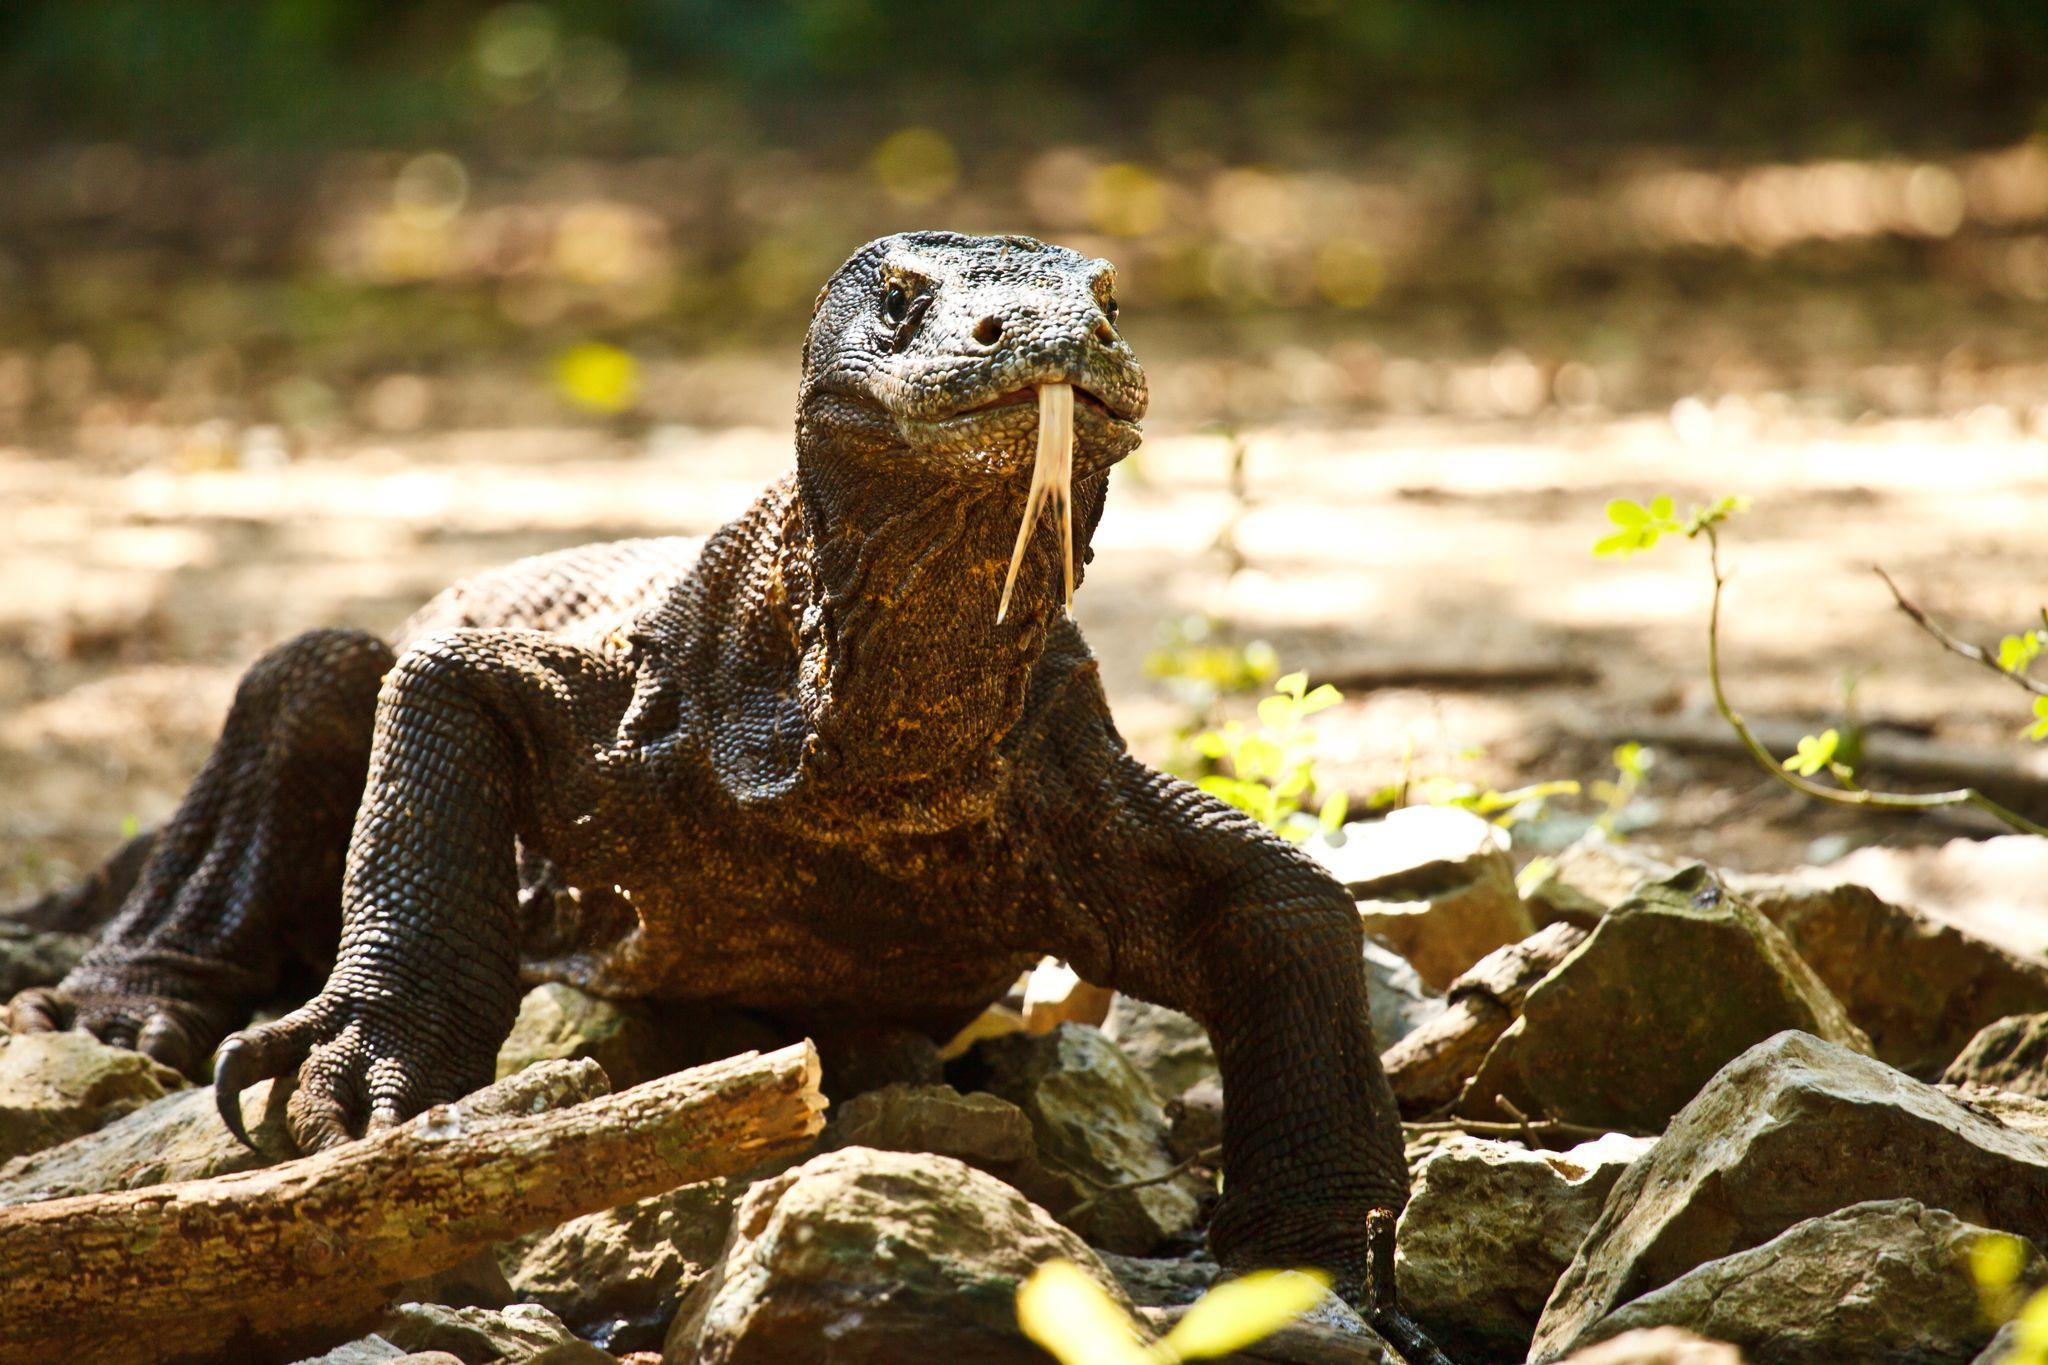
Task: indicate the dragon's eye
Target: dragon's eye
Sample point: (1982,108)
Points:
(1109,309)
(896,303)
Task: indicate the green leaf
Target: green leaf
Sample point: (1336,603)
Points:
(1068,1314)
(2031,1333)
(2039,729)
(1662,508)
(1815,753)
(2015,652)
(1278,713)
(1715,513)
(1322,699)
(598,376)
(1335,808)
(1626,513)
(1293,685)
(1237,1313)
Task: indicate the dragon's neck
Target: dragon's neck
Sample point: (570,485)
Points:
(905,680)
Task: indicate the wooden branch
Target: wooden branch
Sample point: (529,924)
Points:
(277,1262)
(1430,1065)
(1961,648)
(2021,776)
(181,1136)
(1470,675)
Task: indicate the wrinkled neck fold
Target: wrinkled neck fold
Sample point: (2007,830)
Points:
(894,576)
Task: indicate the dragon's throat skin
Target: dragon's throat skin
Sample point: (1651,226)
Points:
(848,761)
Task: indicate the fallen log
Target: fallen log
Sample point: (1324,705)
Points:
(181,1136)
(286,1260)
(1430,1065)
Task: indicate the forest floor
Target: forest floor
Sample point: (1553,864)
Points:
(1436,567)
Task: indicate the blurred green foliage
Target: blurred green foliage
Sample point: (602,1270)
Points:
(1210,74)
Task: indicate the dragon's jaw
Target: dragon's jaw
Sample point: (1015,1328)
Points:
(1052,485)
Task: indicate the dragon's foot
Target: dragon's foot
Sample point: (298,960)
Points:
(175,1027)
(362,1068)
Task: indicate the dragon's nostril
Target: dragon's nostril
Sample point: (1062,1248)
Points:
(1104,332)
(989,330)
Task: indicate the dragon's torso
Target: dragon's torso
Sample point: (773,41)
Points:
(738,903)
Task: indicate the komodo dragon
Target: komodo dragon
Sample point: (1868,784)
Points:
(850,759)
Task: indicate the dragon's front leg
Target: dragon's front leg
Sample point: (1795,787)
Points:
(1169,895)
(484,738)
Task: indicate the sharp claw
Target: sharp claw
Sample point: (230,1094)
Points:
(1401,1332)
(33,1012)
(236,1067)
(162,1039)
(1398,1329)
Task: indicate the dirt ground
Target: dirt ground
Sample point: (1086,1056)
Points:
(1437,567)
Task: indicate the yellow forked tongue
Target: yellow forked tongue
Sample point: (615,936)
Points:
(1052,482)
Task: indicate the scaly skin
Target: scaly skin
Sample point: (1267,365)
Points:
(803,770)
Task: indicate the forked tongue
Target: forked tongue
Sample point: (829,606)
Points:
(1052,485)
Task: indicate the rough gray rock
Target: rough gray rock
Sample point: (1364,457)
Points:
(1401,1000)
(1996,889)
(616,1277)
(1169,1049)
(1173,1051)
(1583,881)
(986,1131)
(1920,987)
(371,1350)
(1668,988)
(1488,1230)
(633,1040)
(1658,1346)
(2011,1054)
(2002,1347)
(1881,1283)
(1097,1124)
(1195,1119)
(1164,1281)
(36,957)
(513,1335)
(55,1086)
(1795,1128)
(860,1256)
(1434,883)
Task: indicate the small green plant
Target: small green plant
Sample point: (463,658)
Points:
(1201,667)
(1639,527)
(1632,764)
(1068,1314)
(1268,770)
(1503,808)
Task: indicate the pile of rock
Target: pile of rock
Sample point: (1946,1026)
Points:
(1657,1115)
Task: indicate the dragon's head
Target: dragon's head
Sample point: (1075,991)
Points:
(976,358)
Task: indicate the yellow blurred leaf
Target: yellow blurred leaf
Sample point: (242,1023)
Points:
(1996,1261)
(1068,1314)
(599,377)
(1239,1312)
(1126,200)
(916,166)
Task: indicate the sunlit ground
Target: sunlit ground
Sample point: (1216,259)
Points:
(241,399)
(1418,552)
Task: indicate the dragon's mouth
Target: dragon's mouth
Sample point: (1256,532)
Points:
(1030,394)
(1052,484)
